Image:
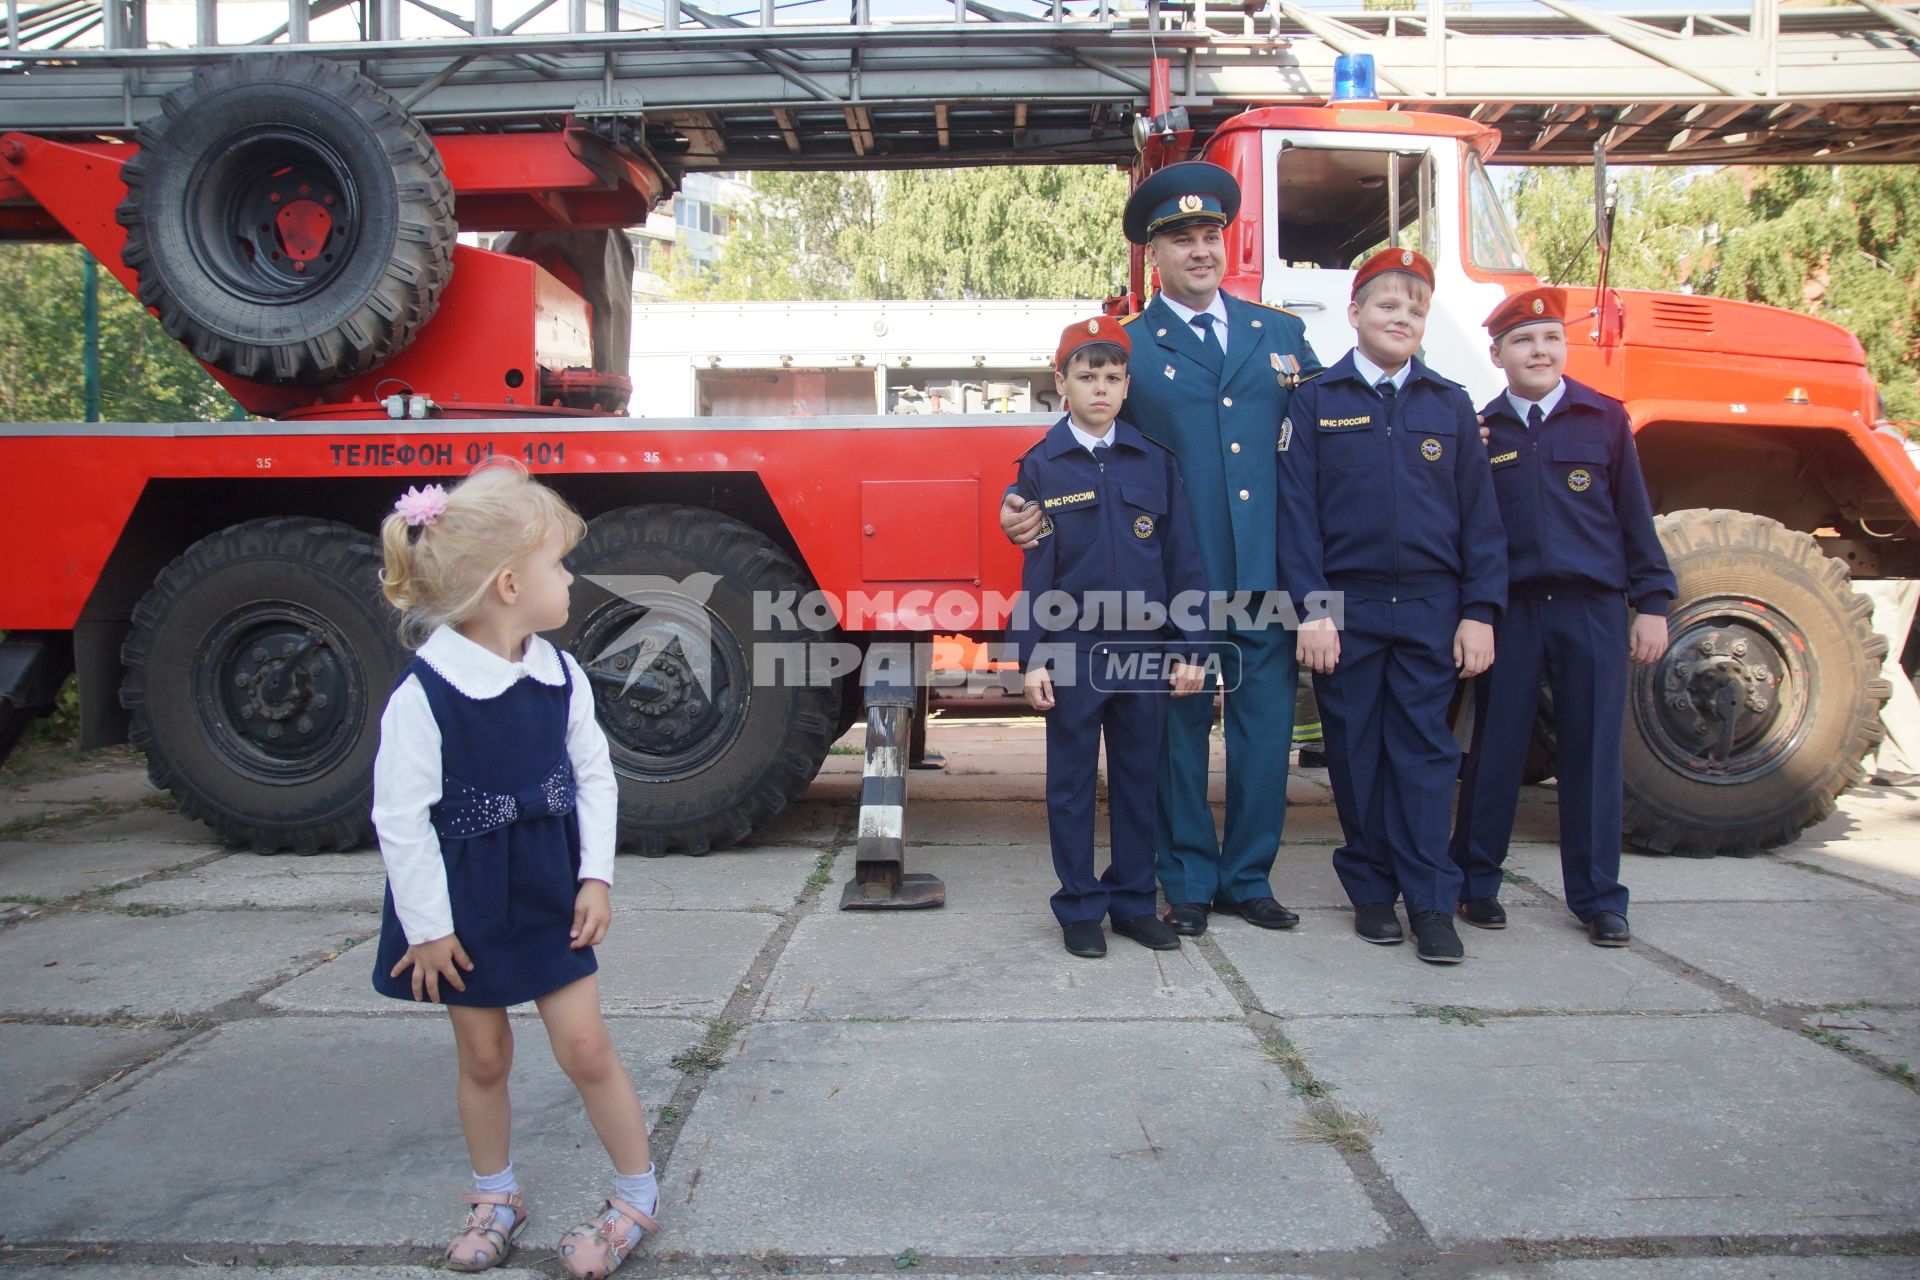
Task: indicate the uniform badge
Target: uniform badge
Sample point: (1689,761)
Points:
(1539,307)
(1430,449)
(1046,527)
(1143,527)
(1406,257)
(1093,326)
(1286,434)
(1256,324)
(1579,479)
(1168,371)
(1190,204)
(1159,333)
(1287,369)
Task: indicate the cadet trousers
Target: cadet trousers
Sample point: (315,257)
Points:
(1195,863)
(1390,750)
(1131,714)
(1578,639)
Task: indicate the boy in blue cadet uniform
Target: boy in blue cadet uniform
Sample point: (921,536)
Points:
(1581,549)
(1385,498)
(1112,603)
(1214,374)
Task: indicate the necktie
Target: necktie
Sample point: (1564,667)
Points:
(1100,452)
(1534,417)
(1208,338)
(1386,389)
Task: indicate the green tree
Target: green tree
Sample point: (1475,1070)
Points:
(1841,242)
(1010,232)
(145,376)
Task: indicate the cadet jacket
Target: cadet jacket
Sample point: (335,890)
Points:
(1117,526)
(1222,421)
(1385,501)
(1573,500)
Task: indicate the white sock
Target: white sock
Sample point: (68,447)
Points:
(501,1183)
(642,1191)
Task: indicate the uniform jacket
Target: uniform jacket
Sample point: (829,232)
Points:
(1222,421)
(1119,525)
(1384,500)
(1573,500)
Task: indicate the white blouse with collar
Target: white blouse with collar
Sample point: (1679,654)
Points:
(407,773)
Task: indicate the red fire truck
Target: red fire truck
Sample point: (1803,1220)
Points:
(213,585)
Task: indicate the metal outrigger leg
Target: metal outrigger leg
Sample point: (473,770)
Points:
(881,881)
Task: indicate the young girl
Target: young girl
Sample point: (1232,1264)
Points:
(495,804)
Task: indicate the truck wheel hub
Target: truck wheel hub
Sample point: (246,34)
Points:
(1727,701)
(277,688)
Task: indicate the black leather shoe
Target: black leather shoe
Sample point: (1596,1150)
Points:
(1484,913)
(1608,929)
(1085,938)
(1265,912)
(1149,932)
(1188,919)
(1378,923)
(1435,940)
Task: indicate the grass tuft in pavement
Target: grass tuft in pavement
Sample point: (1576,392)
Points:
(1465,1015)
(1330,1124)
(710,1054)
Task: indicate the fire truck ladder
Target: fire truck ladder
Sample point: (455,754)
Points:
(787,84)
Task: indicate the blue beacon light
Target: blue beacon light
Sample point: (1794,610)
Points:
(1353,78)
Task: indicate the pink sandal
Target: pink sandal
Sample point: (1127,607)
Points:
(594,1249)
(481,1244)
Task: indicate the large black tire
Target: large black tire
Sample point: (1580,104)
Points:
(704,759)
(603,260)
(289,221)
(1769,694)
(255,672)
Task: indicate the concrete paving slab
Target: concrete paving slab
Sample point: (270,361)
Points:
(55,869)
(124,784)
(1811,953)
(325,881)
(1749,1268)
(810,820)
(266,1271)
(922,965)
(980,822)
(48,1067)
(674,964)
(99,963)
(1893,1037)
(1653,878)
(1540,961)
(1868,813)
(27,809)
(1891,865)
(1037,1139)
(181,1150)
(159,826)
(1621,1127)
(764,878)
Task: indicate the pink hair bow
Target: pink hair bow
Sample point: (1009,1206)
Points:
(420,507)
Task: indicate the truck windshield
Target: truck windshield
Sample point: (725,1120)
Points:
(1489,238)
(1339,206)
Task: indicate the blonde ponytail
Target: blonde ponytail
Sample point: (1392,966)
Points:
(438,572)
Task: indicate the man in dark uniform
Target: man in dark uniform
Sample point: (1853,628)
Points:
(1116,551)
(1581,551)
(1386,499)
(1211,380)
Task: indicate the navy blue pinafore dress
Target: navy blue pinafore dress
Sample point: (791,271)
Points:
(510,840)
